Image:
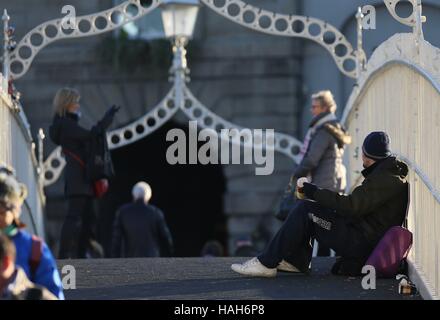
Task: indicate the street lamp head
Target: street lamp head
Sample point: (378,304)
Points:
(179,18)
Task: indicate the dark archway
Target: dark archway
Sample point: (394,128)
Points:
(191,196)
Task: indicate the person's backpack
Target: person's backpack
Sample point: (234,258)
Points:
(392,250)
(35,258)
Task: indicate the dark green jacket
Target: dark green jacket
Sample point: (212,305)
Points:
(379,203)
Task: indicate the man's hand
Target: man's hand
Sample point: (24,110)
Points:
(309,190)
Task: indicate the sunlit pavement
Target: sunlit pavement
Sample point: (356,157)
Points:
(212,278)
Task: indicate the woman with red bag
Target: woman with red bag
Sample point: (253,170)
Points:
(77,143)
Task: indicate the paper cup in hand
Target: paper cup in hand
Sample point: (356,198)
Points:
(299,188)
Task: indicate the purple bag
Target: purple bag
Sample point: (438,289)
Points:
(390,251)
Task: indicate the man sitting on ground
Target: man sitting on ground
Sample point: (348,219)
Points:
(352,225)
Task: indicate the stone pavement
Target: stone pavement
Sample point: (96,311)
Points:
(212,279)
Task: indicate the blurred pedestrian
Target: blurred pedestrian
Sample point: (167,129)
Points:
(78,231)
(14,284)
(245,248)
(212,248)
(323,149)
(33,255)
(140,229)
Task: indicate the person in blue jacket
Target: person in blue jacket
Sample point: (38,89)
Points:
(33,255)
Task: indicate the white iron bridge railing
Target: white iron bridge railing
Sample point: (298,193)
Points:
(400,93)
(17,150)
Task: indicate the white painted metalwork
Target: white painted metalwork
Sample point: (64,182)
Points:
(391,6)
(40,159)
(18,61)
(17,149)
(288,25)
(361,58)
(205,118)
(144,125)
(6,40)
(399,92)
(53,166)
(89,25)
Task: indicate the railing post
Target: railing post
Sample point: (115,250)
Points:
(179,71)
(419,20)
(41,138)
(6,42)
(360,54)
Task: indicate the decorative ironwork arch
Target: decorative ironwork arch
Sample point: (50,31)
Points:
(287,25)
(237,11)
(88,25)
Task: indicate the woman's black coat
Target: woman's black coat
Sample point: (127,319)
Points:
(66,132)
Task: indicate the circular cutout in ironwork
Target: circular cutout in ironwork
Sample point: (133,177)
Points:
(233,10)
(314,29)
(284,143)
(140,129)
(128,134)
(48,175)
(100,23)
(115,139)
(197,113)
(281,25)
(36,39)
(295,150)
(264,22)
(116,17)
(17,66)
(349,65)
(341,50)
(84,26)
(25,52)
(55,163)
(249,16)
(146,3)
(132,10)
(188,104)
(51,31)
(151,122)
(161,113)
(298,26)
(404,9)
(219,3)
(170,104)
(208,121)
(329,37)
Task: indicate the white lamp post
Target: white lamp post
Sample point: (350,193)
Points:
(179,18)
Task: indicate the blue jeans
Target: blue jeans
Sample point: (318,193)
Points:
(307,221)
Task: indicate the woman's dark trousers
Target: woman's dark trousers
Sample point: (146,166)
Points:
(77,228)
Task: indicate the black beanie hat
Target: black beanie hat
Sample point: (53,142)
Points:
(377,145)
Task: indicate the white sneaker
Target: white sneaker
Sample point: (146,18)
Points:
(287,267)
(254,268)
